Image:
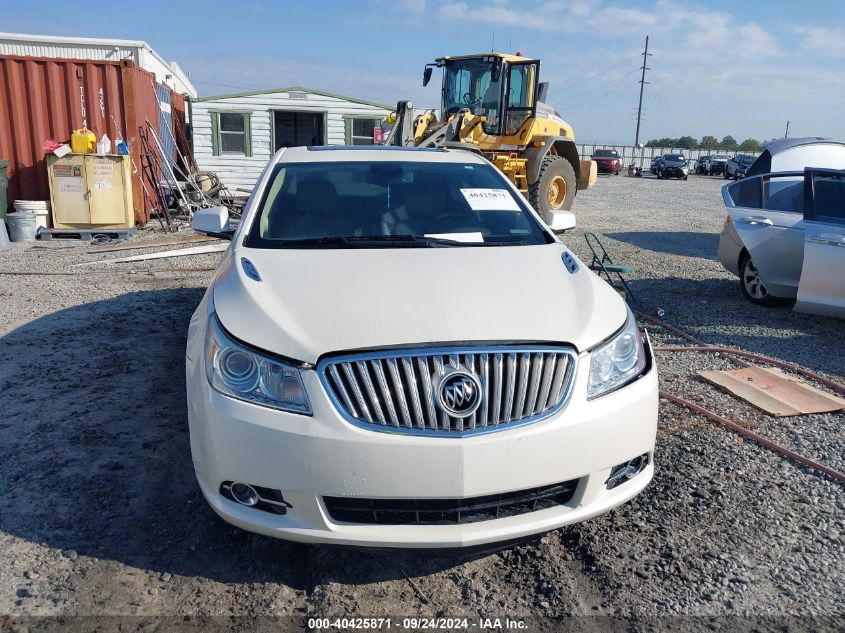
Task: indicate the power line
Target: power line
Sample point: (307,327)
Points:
(598,74)
(602,85)
(601,96)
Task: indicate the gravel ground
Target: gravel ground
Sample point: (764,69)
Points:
(101,514)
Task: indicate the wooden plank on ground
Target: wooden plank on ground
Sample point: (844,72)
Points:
(187,239)
(177,252)
(773,391)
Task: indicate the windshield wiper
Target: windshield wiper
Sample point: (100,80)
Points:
(367,241)
(311,242)
(402,240)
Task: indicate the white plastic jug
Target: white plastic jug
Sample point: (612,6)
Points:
(104,145)
(4,237)
(22,226)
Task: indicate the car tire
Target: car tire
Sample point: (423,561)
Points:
(659,174)
(556,173)
(685,177)
(752,286)
(725,175)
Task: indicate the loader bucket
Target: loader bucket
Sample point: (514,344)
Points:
(588,174)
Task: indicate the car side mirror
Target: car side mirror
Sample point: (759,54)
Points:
(214,220)
(559,220)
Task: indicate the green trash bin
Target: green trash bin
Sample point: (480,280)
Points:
(4,183)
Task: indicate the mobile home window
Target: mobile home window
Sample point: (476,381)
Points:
(231,133)
(360,131)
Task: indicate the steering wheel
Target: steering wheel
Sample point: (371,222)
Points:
(471,100)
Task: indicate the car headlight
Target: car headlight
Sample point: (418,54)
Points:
(239,372)
(618,361)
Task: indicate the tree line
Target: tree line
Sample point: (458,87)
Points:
(708,142)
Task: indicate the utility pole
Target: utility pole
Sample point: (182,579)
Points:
(786,134)
(643,82)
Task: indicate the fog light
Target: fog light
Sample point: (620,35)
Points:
(244,494)
(623,472)
(258,497)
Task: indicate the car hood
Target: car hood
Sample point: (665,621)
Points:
(317,301)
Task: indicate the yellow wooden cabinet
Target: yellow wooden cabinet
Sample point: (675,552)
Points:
(88,190)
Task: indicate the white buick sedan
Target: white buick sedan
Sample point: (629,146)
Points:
(396,351)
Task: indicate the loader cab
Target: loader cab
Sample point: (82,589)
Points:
(502,88)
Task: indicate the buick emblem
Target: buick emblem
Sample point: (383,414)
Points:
(459,393)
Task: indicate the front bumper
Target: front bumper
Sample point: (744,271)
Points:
(717,168)
(607,168)
(309,458)
(675,172)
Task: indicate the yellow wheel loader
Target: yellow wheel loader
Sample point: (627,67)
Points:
(494,104)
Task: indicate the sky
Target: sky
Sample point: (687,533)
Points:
(717,68)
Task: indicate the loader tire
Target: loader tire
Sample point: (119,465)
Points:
(555,187)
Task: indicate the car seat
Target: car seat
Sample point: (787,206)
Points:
(314,211)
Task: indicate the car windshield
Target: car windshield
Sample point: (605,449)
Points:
(720,156)
(676,157)
(608,153)
(384,204)
(747,160)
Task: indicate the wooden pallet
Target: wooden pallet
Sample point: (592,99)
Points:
(85,234)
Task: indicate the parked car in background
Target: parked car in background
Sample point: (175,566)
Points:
(700,167)
(672,166)
(608,161)
(654,162)
(323,409)
(738,166)
(715,164)
(784,237)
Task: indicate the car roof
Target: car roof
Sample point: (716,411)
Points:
(375,153)
(782,144)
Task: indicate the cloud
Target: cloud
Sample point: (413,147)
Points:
(683,27)
(823,39)
(411,6)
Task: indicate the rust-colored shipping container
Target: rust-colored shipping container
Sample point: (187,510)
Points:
(45,98)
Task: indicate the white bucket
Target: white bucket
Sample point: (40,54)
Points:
(40,208)
(4,237)
(22,226)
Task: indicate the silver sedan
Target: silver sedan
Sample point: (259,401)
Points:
(784,237)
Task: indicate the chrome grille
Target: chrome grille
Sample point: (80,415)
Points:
(396,390)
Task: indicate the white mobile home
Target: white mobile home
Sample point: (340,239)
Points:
(235,135)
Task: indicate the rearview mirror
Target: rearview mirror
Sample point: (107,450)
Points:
(213,220)
(427,75)
(560,220)
(497,70)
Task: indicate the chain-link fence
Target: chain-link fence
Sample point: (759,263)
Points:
(641,157)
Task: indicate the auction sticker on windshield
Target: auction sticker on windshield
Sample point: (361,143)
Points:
(490,200)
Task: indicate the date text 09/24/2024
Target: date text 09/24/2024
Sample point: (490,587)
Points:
(416,623)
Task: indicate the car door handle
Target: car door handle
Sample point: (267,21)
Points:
(756,219)
(831,239)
